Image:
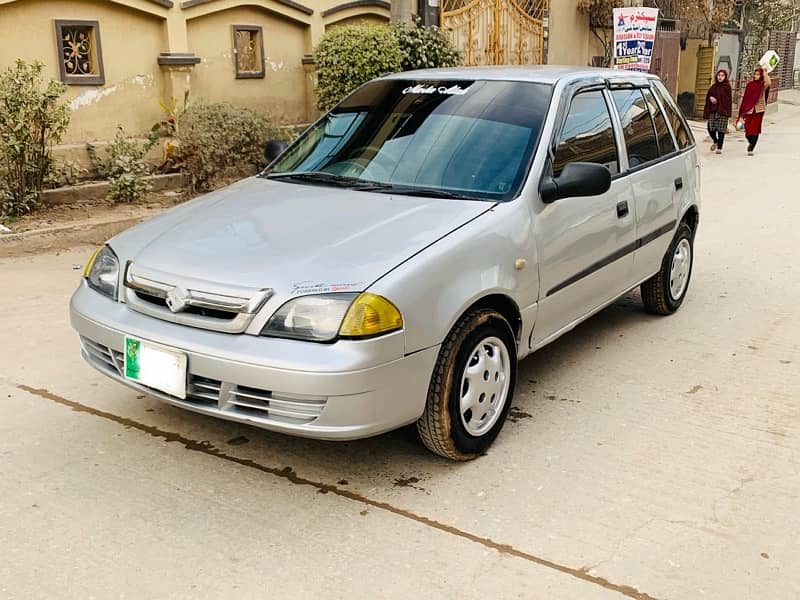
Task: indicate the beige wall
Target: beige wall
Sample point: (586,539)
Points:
(133,33)
(133,78)
(355,18)
(281,92)
(687,67)
(569,35)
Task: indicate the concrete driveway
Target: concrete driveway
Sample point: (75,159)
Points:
(645,457)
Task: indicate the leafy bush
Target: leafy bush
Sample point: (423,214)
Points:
(124,166)
(220,140)
(425,47)
(33,117)
(349,56)
(63,172)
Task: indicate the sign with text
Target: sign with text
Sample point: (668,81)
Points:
(634,35)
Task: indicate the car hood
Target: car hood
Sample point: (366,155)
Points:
(292,238)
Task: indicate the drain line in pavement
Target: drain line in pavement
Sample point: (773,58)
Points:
(290,475)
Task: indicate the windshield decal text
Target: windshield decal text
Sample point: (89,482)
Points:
(455,90)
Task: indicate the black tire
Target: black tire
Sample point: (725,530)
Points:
(656,292)
(441,427)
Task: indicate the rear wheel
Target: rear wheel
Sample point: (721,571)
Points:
(472,386)
(665,291)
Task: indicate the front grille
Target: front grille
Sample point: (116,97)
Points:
(263,402)
(208,305)
(212,313)
(103,356)
(215,396)
(203,390)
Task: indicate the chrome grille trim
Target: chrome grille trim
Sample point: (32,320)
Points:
(215,396)
(235,306)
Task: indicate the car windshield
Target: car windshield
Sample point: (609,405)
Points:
(453,139)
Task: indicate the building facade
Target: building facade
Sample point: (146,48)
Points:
(120,57)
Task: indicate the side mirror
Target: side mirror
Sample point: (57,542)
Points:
(273,149)
(577,179)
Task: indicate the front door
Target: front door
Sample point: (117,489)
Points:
(585,245)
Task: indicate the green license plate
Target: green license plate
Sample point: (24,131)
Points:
(155,366)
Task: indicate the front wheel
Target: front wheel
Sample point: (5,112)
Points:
(665,291)
(471,388)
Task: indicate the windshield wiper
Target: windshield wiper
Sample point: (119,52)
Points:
(365,185)
(408,190)
(322,177)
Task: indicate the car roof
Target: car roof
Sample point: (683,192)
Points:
(549,74)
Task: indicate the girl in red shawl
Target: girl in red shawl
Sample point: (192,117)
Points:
(718,108)
(753,106)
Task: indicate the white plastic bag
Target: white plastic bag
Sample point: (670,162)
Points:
(769,61)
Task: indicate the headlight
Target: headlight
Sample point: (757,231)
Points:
(322,318)
(102,272)
(313,318)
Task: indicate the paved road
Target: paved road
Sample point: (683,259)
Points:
(647,457)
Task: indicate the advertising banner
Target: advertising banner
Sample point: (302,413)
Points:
(634,35)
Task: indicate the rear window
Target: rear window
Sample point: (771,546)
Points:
(637,126)
(665,143)
(683,136)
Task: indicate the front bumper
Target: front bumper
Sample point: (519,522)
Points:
(342,391)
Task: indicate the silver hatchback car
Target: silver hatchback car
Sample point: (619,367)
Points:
(394,263)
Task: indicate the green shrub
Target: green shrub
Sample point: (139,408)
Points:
(33,117)
(124,166)
(221,140)
(425,47)
(63,172)
(349,56)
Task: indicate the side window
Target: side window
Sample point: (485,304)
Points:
(682,135)
(637,126)
(665,143)
(588,135)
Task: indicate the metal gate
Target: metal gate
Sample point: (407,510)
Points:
(496,32)
(704,77)
(666,54)
(784,43)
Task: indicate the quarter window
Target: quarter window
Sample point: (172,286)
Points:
(637,126)
(588,135)
(665,143)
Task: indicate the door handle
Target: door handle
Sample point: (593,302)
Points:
(622,209)
(679,184)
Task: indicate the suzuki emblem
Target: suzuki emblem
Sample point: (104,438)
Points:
(176,299)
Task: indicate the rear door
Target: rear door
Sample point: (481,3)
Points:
(655,172)
(585,245)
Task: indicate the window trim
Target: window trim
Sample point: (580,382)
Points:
(94,79)
(262,72)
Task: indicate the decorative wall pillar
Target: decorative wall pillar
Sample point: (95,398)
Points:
(177,64)
(312,112)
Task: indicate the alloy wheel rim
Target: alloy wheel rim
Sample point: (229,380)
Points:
(484,386)
(680,268)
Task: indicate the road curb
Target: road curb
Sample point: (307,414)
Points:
(39,241)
